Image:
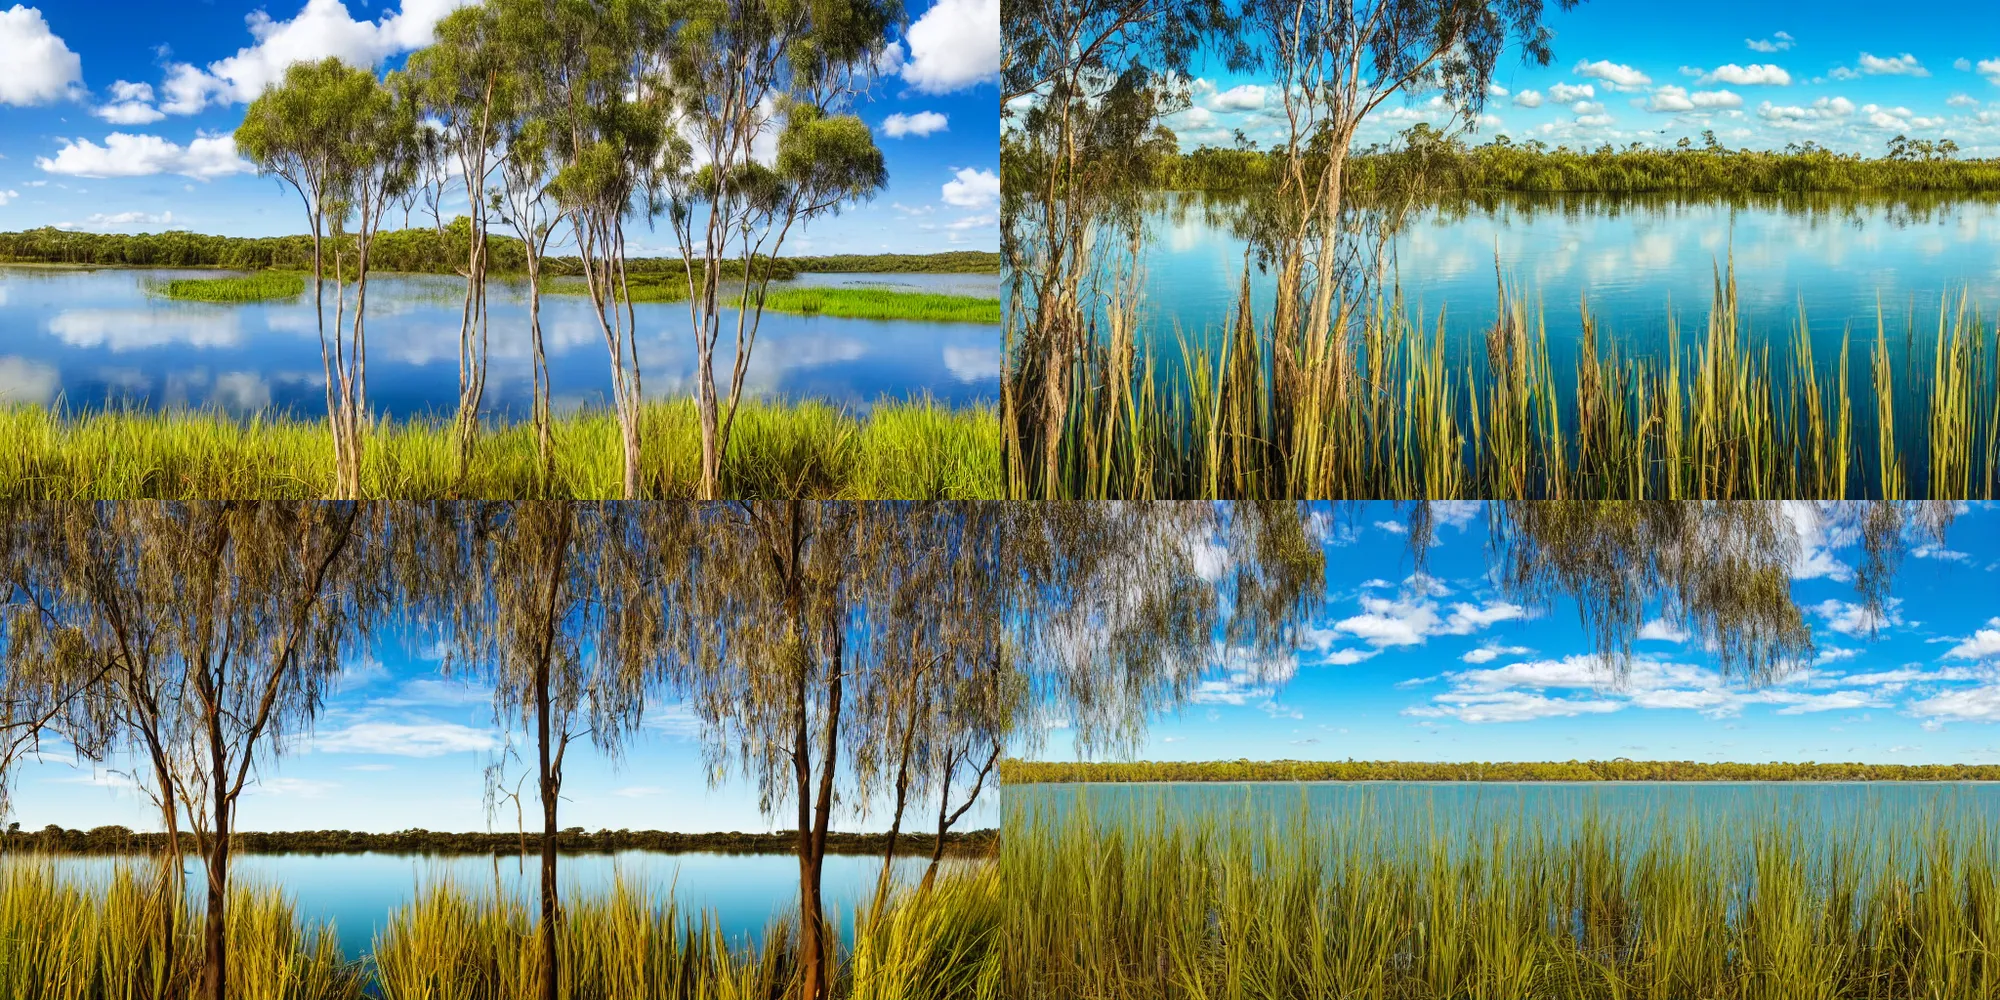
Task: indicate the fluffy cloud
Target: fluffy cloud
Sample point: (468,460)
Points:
(39,67)
(1528,99)
(1856,619)
(131,104)
(126,155)
(922,123)
(1747,76)
(956,44)
(1903,65)
(1981,645)
(1990,69)
(1962,101)
(1489,652)
(1776,43)
(1564,93)
(973,188)
(324,28)
(1671,98)
(1509,706)
(7,196)
(1412,617)
(1243,97)
(1812,561)
(1615,75)
(427,738)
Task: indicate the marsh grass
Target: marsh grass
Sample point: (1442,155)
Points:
(631,943)
(1305,906)
(63,938)
(1024,772)
(846,303)
(262,286)
(904,450)
(1367,400)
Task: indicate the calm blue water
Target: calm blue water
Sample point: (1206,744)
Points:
(1411,812)
(96,338)
(356,892)
(1637,262)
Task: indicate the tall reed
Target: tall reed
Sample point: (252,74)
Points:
(1304,906)
(1375,402)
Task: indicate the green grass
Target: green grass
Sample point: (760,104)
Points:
(1141,907)
(1022,772)
(263,286)
(1369,400)
(64,937)
(902,450)
(847,303)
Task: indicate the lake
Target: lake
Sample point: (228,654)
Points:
(1637,261)
(1409,813)
(97,338)
(357,891)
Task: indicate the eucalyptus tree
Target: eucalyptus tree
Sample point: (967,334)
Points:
(461,82)
(729,72)
(348,145)
(563,608)
(216,626)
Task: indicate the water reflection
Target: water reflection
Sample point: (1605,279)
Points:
(97,338)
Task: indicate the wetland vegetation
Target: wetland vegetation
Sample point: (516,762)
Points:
(1024,772)
(263,286)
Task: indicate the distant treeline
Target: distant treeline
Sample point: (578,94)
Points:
(419,251)
(1021,772)
(120,840)
(1425,160)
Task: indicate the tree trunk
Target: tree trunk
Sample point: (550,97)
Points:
(628,428)
(215,967)
(550,912)
(902,795)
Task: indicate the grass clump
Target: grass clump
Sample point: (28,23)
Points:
(1117,907)
(883,303)
(63,938)
(896,450)
(630,943)
(263,286)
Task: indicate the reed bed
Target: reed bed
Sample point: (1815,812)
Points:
(1349,400)
(883,303)
(905,450)
(263,286)
(68,939)
(1305,907)
(1027,772)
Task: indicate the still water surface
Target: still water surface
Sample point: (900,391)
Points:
(97,338)
(357,892)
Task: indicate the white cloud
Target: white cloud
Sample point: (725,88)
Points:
(1413,616)
(973,188)
(1976,704)
(1617,76)
(1990,69)
(1489,652)
(1672,99)
(324,28)
(39,67)
(1962,101)
(1982,644)
(1528,99)
(922,123)
(1243,97)
(1939,552)
(1660,630)
(1510,706)
(422,739)
(1820,110)
(1595,121)
(9,195)
(1778,42)
(25,381)
(1747,76)
(1564,93)
(1903,65)
(955,45)
(1855,619)
(115,220)
(127,155)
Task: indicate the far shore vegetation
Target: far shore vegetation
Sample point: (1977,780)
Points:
(57,840)
(904,450)
(1028,772)
(420,250)
(859,302)
(263,286)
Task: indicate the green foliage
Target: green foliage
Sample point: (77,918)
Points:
(953,262)
(881,303)
(1125,907)
(264,286)
(1448,165)
(1028,772)
(899,449)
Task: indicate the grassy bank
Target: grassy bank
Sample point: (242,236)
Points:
(899,450)
(849,303)
(263,286)
(66,939)
(1307,907)
(1367,400)
(1022,772)
(120,840)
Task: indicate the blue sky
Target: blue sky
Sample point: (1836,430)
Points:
(1401,667)
(115,116)
(1761,75)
